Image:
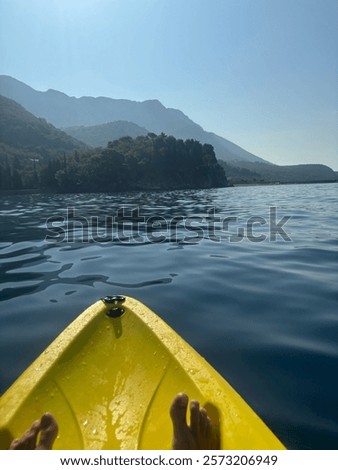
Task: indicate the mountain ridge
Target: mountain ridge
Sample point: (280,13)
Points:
(64,111)
(100,134)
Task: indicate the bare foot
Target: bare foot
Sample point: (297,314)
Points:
(48,429)
(197,436)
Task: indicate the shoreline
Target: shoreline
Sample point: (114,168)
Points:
(4,192)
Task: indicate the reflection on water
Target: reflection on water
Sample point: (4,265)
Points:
(264,313)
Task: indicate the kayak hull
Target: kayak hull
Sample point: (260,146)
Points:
(110,382)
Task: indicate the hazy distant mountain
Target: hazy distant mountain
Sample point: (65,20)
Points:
(101,134)
(64,111)
(258,172)
(22,130)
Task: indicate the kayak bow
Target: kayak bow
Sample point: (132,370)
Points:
(109,379)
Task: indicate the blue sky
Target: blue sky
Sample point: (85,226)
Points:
(261,73)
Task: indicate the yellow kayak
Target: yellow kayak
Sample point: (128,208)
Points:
(109,380)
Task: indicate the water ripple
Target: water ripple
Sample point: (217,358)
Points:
(264,314)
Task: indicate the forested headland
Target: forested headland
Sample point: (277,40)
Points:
(146,162)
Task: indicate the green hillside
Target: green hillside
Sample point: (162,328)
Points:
(27,143)
(21,129)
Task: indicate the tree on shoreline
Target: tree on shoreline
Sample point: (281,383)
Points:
(141,163)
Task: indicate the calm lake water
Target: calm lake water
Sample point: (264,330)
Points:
(247,275)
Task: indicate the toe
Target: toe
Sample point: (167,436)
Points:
(16,445)
(205,427)
(195,417)
(178,409)
(203,421)
(49,430)
(28,439)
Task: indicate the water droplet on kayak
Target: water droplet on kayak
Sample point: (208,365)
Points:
(85,422)
(94,431)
